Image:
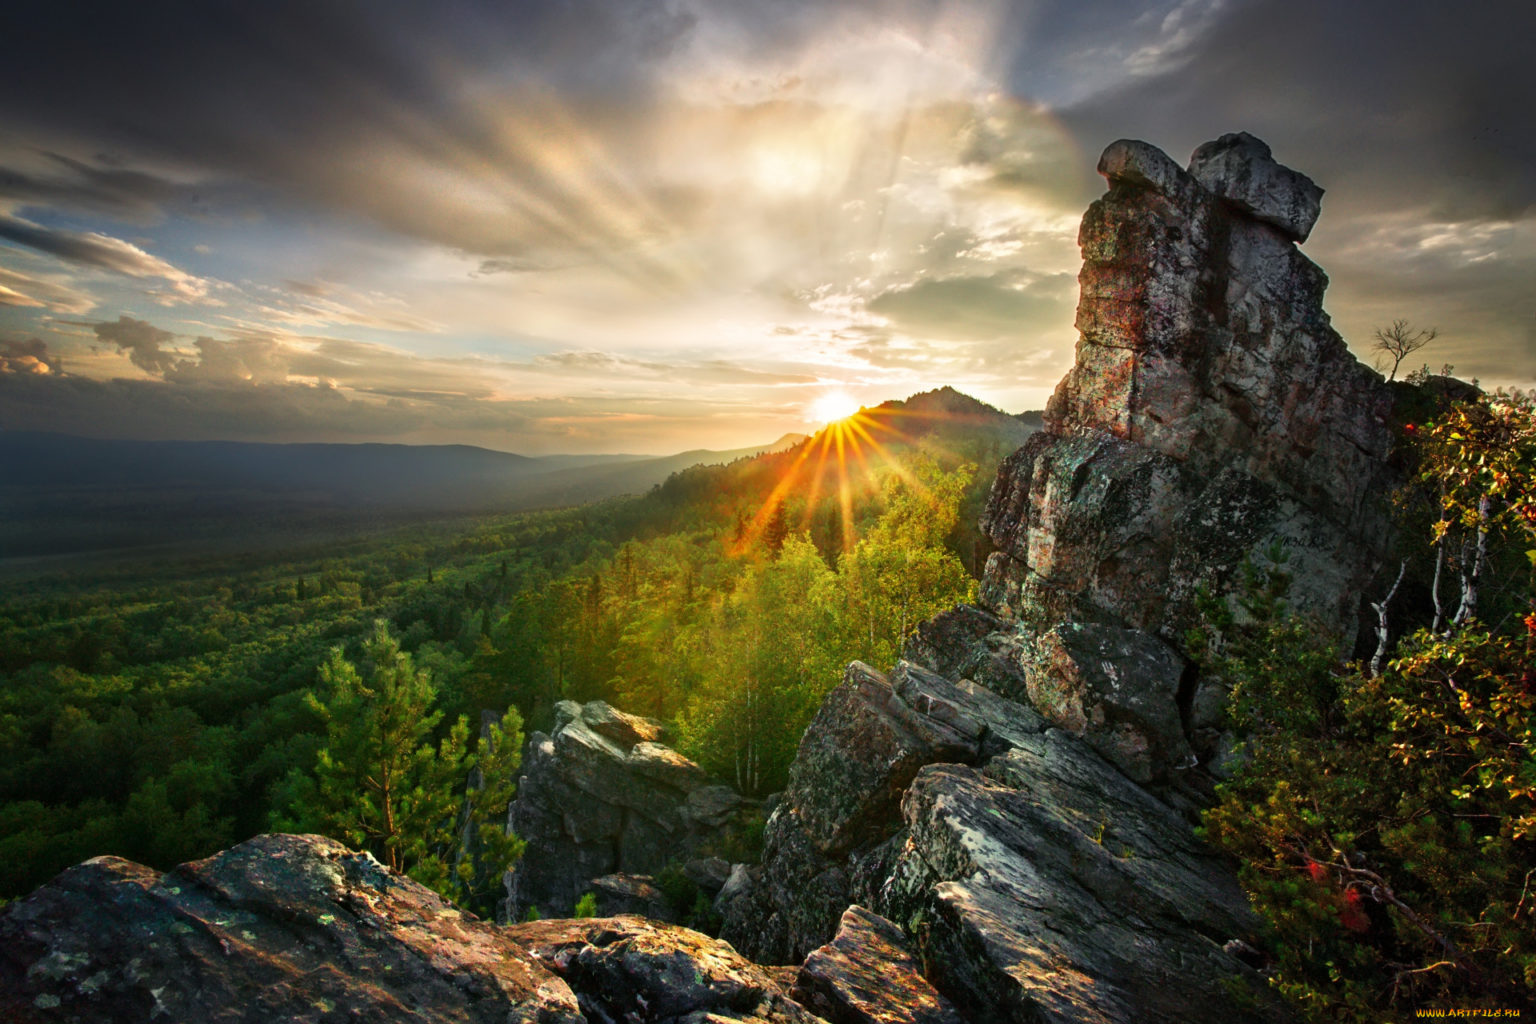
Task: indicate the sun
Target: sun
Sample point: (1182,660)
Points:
(833,406)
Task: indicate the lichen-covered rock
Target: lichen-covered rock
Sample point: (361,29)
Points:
(278,928)
(968,642)
(1240,169)
(867,975)
(1211,409)
(856,758)
(632,969)
(602,796)
(1116,687)
(1047,887)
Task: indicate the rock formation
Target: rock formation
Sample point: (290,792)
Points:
(299,928)
(602,796)
(1211,410)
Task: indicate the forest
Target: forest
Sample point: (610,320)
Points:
(163,714)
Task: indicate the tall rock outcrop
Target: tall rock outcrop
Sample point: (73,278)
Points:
(1212,409)
(602,796)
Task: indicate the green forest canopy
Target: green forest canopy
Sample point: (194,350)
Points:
(164,717)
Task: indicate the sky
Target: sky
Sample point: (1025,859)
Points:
(654,225)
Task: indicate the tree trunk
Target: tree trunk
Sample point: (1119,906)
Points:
(1382,630)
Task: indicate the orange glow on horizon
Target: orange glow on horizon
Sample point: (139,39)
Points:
(847,452)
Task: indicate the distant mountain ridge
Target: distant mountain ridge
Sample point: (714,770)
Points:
(62,494)
(66,495)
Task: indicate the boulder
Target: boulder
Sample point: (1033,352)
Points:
(834,837)
(868,975)
(858,755)
(632,969)
(278,928)
(630,894)
(624,729)
(1240,169)
(708,873)
(601,796)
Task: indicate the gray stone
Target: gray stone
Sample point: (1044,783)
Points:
(624,729)
(1116,687)
(622,893)
(1241,169)
(277,928)
(1048,887)
(856,758)
(600,798)
(713,805)
(631,969)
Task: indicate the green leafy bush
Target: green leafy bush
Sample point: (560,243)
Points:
(1386,825)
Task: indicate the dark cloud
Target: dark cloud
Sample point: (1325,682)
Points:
(1422,104)
(28,357)
(93,249)
(143,342)
(120,192)
(161,410)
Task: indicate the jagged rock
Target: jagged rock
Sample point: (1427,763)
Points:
(630,894)
(631,969)
(1240,169)
(867,975)
(600,796)
(277,928)
(1116,687)
(1048,887)
(990,722)
(857,756)
(1211,409)
(971,643)
(667,766)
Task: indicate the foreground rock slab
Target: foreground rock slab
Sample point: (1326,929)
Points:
(290,928)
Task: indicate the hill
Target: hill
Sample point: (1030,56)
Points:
(63,495)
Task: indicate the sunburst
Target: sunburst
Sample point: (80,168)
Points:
(832,406)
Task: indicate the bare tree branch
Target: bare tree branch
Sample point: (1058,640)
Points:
(1400,341)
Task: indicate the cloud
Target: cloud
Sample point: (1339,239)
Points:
(124,193)
(978,308)
(94,249)
(28,357)
(142,341)
(42,292)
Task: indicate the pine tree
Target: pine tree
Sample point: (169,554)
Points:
(379,782)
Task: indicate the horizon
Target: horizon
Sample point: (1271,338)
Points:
(553,229)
